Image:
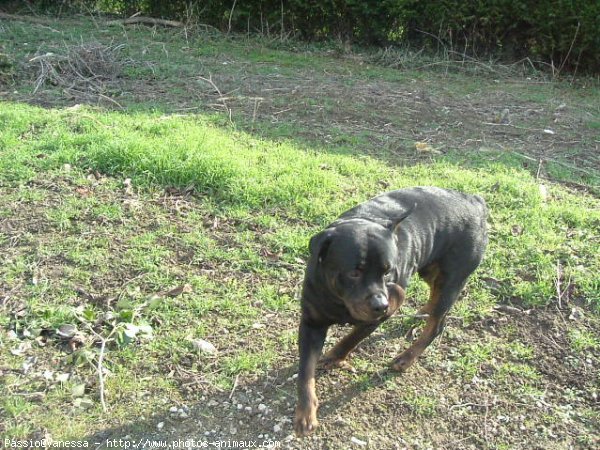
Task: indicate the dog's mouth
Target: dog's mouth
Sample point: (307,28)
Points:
(361,310)
(364,316)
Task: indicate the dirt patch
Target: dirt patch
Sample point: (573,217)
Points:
(429,407)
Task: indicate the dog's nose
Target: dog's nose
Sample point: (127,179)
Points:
(379,303)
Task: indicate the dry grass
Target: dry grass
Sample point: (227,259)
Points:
(83,70)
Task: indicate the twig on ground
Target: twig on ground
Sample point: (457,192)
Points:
(99,367)
(537,175)
(556,162)
(235,383)
(147,21)
(222,98)
(557,284)
(256,103)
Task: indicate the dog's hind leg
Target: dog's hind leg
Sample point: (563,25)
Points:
(444,292)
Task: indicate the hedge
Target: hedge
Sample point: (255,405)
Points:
(564,33)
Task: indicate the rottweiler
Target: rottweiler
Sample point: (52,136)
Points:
(360,266)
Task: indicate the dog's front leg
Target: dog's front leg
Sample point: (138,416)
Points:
(336,357)
(310,342)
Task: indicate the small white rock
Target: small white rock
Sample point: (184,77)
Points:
(240,406)
(160,425)
(262,407)
(357,441)
(276,428)
(11,335)
(576,314)
(61,377)
(173,409)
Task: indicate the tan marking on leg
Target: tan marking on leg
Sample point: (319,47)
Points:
(432,326)
(305,420)
(430,275)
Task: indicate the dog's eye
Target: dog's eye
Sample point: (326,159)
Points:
(355,274)
(388,274)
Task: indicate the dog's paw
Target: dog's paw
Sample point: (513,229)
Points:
(330,363)
(305,421)
(402,363)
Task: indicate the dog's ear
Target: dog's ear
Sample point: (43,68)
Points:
(319,243)
(395,223)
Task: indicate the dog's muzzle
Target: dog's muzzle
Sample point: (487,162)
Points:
(379,304)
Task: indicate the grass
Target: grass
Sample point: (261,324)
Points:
(244,177)
(192,228)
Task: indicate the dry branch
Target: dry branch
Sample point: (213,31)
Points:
(147,21)
(84,70)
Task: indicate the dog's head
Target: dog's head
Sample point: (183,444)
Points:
(357,261)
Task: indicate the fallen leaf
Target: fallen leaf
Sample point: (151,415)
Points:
(84,403)
(202,346)
(186,288)
(21,349)
(62,377)
(423,147)
(78,390)
(83,192)
(494,284)
(66,331)
(48,375)
(517,230)
(508,309)
(128,188)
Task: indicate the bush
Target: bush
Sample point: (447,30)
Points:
(563,33)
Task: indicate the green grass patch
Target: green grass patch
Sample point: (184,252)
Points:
(245,175)
(582,340)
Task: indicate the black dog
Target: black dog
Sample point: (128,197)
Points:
(360,265)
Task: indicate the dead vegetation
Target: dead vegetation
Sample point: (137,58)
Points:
(83,70)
